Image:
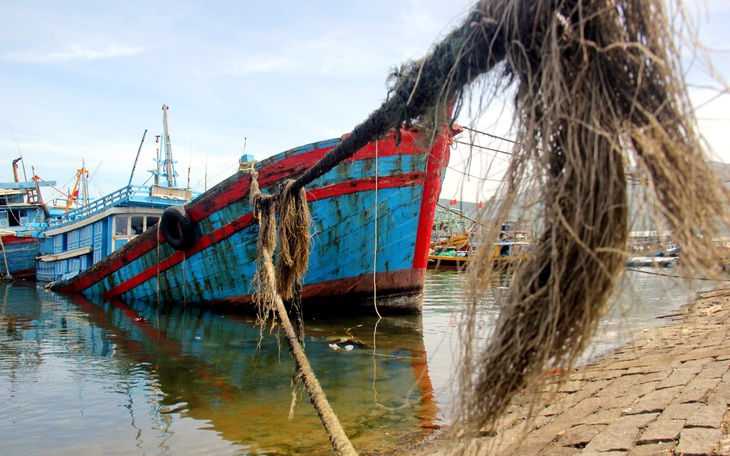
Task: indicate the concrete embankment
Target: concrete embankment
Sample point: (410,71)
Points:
(667,392)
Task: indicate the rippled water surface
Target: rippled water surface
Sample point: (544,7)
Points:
(81,377)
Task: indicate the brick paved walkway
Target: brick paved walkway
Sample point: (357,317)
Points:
(666,393)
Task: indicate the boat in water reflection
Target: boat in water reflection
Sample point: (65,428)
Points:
(185,372)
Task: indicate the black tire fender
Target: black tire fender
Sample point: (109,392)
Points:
(178,228)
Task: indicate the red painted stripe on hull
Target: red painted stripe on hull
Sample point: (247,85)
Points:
(15,240)
(352,292)
(401,180)
(289,167)
(177,257)
(437,161)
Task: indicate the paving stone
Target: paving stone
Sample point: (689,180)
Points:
(707,416)
(564,421)
(603,416)
(698,441)
(726,377)
(715,369)
(641,389)
(529,445)
(652,369)
(539,421)
(661,430)
(610,374)
(619,386)
(577,411)
(697,365)
(679,377)
(713,338)
(720,395)
(681,350)
(697,390)
(656,401)
(592,387)
(653,449)
(679,411)
(557,450)
(621,434)
(572,386)
(580,436)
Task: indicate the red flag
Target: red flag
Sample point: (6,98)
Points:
(480,205)
(452,202)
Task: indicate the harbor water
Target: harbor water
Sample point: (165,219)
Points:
(107,377)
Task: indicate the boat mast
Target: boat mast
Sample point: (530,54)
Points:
(80,191)
(169,173)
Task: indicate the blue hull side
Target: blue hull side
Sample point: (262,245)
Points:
(20,255)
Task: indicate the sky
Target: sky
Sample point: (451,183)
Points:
(80,81)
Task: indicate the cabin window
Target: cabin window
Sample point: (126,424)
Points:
(152,221)
(137,224)
(120,225)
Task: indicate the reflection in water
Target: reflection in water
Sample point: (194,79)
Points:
(131,378)
(108,377)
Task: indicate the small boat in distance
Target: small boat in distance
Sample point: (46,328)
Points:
(85,235)
(512,248)
(22,215)
(372,218)
(505,253)
(664,259)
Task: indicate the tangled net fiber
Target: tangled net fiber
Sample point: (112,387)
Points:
(599,91)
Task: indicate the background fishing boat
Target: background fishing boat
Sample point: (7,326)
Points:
(511,248)
(664,259)
(505,254)
(22,214)
(372,220)
(85,235)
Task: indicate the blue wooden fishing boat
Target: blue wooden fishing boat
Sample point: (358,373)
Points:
(22,215)
(372,219)
(85,235)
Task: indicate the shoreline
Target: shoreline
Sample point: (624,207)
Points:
(666,391)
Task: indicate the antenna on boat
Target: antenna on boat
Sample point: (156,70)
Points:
(157,160)
(136,158)
(25,176)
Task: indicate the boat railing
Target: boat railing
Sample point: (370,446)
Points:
(126,194)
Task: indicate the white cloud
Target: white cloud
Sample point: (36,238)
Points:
(73,52)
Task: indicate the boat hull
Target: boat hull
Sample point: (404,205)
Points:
(372,218)
(19,253)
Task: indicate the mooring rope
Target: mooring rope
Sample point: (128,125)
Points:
(375,240)
(676,276)
(5,259)
(291,266)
